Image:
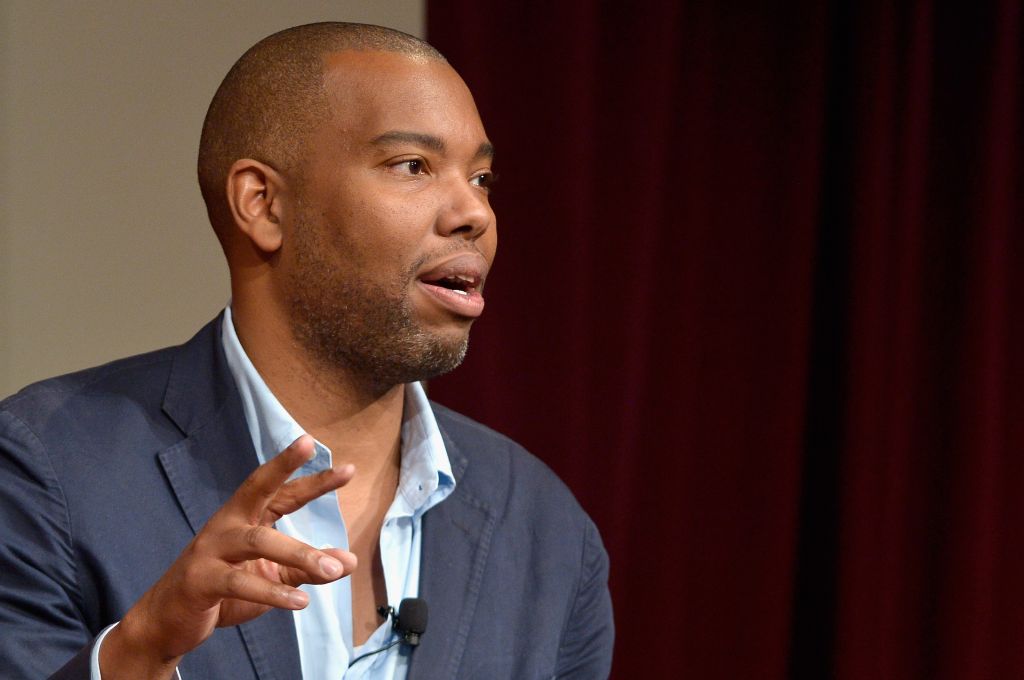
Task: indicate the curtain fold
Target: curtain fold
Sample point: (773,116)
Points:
(755,302)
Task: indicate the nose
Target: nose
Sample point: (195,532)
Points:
(465,210)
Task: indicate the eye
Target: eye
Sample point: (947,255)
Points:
(413,166)
(484,180)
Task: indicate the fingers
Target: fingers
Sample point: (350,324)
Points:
(267,495)
(297,577)
(305,564)
(298,492)
(260,487)
(246,586)
(237,565)
(250,561)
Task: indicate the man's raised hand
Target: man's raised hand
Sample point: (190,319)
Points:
(236,568)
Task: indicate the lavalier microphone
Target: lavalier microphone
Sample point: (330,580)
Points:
(410,622)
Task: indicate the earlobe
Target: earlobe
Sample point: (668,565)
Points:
(255,193)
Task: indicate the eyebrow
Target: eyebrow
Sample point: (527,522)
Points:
(432,142)
(485,150)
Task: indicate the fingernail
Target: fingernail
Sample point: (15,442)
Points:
(298,598)
(329,566)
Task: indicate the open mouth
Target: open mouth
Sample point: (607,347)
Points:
(462,284)
(456,284)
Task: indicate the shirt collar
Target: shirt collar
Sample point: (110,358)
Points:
(425,473)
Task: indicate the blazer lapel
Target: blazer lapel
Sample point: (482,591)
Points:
(456,542)
(206,467)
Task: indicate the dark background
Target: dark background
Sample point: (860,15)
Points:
(757,301)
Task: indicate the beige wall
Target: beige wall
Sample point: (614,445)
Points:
(104,246)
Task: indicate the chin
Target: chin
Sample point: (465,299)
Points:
(442,356)
(454,332)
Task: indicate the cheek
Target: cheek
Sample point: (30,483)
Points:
(400,229)
(386,246)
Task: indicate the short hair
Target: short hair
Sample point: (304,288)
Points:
(273,97)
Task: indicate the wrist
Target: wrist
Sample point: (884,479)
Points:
(128,653)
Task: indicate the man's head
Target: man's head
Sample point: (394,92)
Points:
(274,96)
(345,170)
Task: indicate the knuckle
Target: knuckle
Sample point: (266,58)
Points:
(254,537)
(308,558)
(204,544)
(193,573)
(235,582)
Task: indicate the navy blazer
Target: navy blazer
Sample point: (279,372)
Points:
(106,474)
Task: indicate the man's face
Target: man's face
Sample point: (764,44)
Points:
(392,235)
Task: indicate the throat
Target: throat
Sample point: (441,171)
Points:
(363,509)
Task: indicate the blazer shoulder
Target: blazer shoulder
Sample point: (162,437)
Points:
(131,376)
(464,428)
(133,384)
(551,618)
(485,446)
(499,469)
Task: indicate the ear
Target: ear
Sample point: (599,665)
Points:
(255,193)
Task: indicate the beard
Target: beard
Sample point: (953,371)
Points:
(363,327)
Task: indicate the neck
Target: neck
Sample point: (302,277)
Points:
(360,423)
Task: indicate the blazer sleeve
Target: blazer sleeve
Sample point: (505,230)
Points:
(585,651)
(40,602)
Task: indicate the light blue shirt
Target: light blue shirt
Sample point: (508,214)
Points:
(324,627)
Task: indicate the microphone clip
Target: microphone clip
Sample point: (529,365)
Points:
(410,631)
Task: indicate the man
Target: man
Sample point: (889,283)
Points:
(247,505)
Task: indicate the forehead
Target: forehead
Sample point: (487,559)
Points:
(371,92)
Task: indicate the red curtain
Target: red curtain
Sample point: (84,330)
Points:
(754,302)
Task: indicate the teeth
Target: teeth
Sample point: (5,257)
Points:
(460,292)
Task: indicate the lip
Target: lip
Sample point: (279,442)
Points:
(469,269)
